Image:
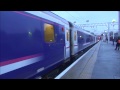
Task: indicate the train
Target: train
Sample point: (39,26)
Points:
(33,43)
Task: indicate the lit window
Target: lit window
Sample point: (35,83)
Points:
(75,35)
(67,36)
(49,32)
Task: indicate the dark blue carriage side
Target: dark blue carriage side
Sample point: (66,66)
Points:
(22,36)
(81,40)
(84,40)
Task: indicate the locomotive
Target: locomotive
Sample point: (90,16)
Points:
(33,43)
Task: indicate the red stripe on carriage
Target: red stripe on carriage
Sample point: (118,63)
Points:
(18,59)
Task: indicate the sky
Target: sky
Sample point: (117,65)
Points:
(80,17)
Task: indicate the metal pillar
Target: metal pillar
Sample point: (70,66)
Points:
(108,34)
(113,35)
(119,24)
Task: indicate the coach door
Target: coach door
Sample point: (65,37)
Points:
(67,44)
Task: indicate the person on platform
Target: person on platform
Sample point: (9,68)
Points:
(117,44)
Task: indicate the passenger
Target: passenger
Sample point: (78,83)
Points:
(117,43)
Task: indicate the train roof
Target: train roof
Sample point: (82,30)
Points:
(84,31)
(79,28)
(56,16)
(49,16)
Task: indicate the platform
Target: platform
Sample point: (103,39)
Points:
(102,61)
(107,65)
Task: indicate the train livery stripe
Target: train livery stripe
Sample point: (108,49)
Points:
(18,59)
(67,47)
(56,16)
(75,45)
(34,17)
(31,16)
(20,64)
(86,43)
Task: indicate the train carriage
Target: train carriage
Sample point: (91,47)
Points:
(80,39)
(33,43)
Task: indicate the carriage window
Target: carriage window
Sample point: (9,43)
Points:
(75,35)
(67,36)
(49,32)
